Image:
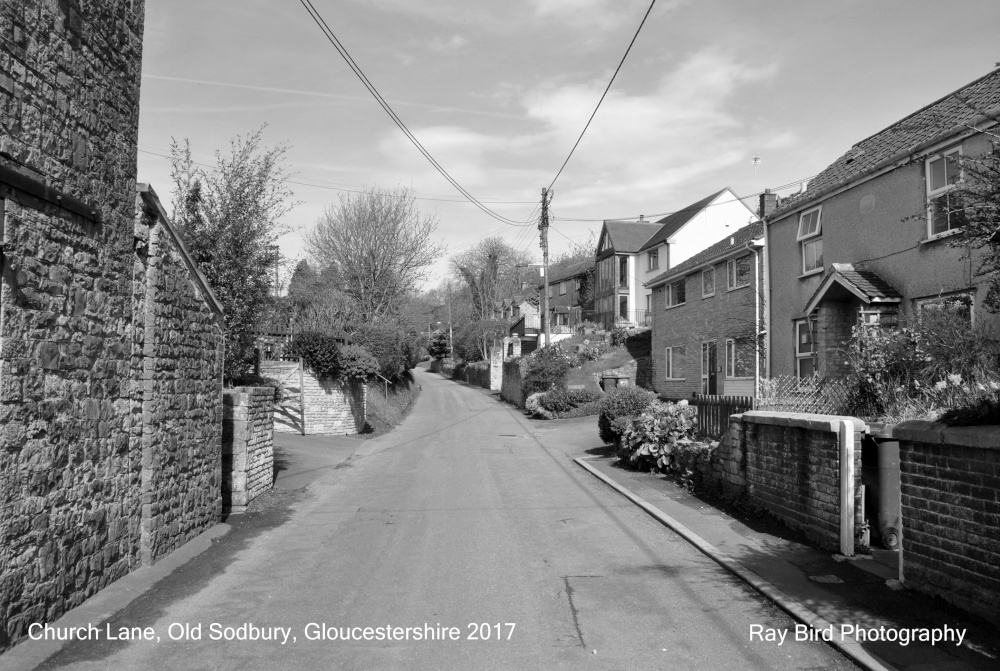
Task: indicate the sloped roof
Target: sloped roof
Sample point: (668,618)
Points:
(572,271)
(738,239)
(629,236)
(865,284)
(937,121)
(672,223)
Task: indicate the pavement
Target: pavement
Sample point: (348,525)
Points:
(471,512)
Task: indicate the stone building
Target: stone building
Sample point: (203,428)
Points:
(111,341)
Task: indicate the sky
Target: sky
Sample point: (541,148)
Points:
(498,91)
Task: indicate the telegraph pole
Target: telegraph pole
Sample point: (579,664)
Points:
(543,228)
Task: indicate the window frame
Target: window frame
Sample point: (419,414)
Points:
(562,288)
(731,356)
(670,294)
(703,275)
(801,356)
(810,239)
(653,259)
(705,372)
(669,365)
(732,272)
(943,191)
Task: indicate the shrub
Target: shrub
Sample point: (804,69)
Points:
(547,369)
(617,335)
(357,363)
(625,401)
(592,351)
(981,410)
(564,400)
(439,346)
(385,343)
(254,380)
(319,351)
(651,439)
(585,410)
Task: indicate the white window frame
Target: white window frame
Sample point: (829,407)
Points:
(670,294)
(669,365)
(801,355)
(704,366)
(732,272)
(933,194)
(653,259)
(731,352)
(704,274)
(809,239)
(562,288)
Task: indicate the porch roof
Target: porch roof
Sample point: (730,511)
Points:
(866,285)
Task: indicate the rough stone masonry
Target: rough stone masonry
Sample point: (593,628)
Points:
(110,339)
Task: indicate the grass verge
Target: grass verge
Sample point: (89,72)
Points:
(386,410)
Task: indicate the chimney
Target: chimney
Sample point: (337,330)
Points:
(768,204)
(642,217)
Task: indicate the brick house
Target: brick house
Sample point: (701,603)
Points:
(630,254)
(707,319)
(869,238)
(567,295)
(111,341)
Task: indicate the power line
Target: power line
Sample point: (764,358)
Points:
(608,88)
(332,38)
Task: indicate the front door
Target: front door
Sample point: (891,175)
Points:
(712,367)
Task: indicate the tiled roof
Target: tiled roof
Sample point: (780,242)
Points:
(628,236)
(572,271)
(867,285)
(937,121)
(674,222)
(738,239)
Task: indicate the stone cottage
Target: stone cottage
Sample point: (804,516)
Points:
(111,340)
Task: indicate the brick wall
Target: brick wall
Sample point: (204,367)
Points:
(950,496)
(247,445)
(793,470)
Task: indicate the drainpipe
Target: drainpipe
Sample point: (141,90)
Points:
(846,440)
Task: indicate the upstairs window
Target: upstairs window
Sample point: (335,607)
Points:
(675,294)
(708,282)
(810,238)
(562,288)
(944,207)
(739,272)
(623,272)
(653,256)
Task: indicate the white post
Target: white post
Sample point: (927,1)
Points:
(846,488)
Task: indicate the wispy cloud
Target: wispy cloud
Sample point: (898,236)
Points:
(451,44)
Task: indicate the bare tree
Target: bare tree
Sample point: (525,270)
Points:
(490,270)
(379,245)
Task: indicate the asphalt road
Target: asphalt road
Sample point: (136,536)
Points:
(468,521)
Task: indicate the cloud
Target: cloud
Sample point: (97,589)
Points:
(451,44)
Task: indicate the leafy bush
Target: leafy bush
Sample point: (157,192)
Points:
(651,439)
(592,351)
(253,380)
(618,335)
(439,346)
(585,410)
(386,343)
(981,410)
(564,400)
(624,401)
(357,363)
(319,351)
(547,369)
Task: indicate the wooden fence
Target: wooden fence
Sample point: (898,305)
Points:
(714,412)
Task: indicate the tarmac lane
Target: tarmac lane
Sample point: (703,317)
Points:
(458,541)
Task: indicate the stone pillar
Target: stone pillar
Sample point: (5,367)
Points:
(247,445)
(496,367)
(516,342)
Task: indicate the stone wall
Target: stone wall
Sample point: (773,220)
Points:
(793,470)
(287,412)
(950,496)
(110,341)
(512,385)
(334,406)
(247,445)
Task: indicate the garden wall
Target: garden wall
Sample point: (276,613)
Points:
(331,406)
(950,496)
(488,375)
(512,383)
(247,445)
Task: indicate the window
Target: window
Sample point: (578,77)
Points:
(805,350)
(944,206)
(673,363)
(739,359)
(950,308)
(675,294)
(654,259)
(708,282)
(551,291)
(562,288)
(623,272)
(579,283)
(810,239)
(705,367)
(739,272)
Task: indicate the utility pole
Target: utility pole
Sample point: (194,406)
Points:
(543,228)
(451,339)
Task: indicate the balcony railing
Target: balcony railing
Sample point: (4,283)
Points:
(627,318)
